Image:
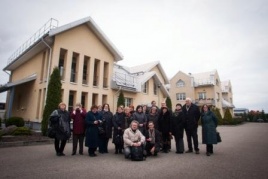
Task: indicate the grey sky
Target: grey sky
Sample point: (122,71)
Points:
(191,36)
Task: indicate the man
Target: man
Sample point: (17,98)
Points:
(192,115)
(152,140)
(132,137)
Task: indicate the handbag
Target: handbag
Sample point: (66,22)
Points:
(101,130)
(51,132)
(218,137)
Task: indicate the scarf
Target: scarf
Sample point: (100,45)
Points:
(152,136)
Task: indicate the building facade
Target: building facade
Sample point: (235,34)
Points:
(202,88)
(87,61)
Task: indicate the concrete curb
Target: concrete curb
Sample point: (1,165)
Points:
(25,143)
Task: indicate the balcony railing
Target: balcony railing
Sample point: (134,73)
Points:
(203,82)
(208,101)
(51,24)
(122,79)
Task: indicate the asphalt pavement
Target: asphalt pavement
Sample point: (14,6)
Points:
(242,154)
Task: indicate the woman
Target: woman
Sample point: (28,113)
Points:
(178,122)
(119,127)
(141,117)
(164,124)
(78,115)
(209,124)
(153,116)
(60,122)
(107,124)
(93,120)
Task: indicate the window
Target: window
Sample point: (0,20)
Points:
(181,96)
(202,95)
(128,101)
(145,87)
(218,96)
(180,83)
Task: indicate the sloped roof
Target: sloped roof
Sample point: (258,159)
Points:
(204,75)
(226,104)
(90,22)
(141,74)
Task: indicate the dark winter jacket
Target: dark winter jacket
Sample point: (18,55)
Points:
(142,119)
(191,116)
(154,119)
(60,122)
(157,138)
(164,122)
(178,123)
(209,123)
(107,119)
(92,132)
(118,121)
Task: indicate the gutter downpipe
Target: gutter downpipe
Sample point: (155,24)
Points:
(48,68)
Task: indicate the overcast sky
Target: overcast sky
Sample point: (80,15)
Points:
(230,36)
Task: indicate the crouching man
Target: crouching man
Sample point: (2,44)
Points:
(133,138)
(152,140)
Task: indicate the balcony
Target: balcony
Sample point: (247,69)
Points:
(125,81)
(203,82)
(208,101)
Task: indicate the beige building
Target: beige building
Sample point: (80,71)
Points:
(88,67)
(85,57)
(202,88)
(141,84)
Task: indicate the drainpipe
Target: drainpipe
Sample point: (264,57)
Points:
(120,87)
(48,68)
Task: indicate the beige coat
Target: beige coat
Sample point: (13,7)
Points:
(130,137)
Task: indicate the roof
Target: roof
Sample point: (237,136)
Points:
(136,76)
(91,23)
(226,104)
(18,82)
(40,45)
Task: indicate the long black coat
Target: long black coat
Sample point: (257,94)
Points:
(107,119)
(164,122)
(92,132)
(60,122)
(191,116)
(118,121)
(178,123)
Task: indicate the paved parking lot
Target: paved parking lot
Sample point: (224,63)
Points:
(242,154)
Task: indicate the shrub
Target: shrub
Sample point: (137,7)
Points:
(22,131)
(227,119)
(218,115)
(17,121)
(121,99)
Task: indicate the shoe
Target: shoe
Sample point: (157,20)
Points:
(189,151)
(197,152)
(60,154)
(81,153)
(208,154)
(92,155)
(120,151)
(116,152)
(74,153)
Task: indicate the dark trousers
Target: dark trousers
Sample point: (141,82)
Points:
(149,146)
(210,148)
(179,144)
(166,142)
(59,145)
(103,144)
(91,150)
(78,138)
(192,134)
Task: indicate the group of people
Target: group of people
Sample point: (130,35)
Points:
(150,128)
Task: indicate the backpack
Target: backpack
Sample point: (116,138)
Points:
(137,153)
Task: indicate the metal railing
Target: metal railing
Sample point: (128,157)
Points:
(124,79)
(51,24)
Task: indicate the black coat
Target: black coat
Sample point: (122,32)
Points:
(157,138)
(164,122)
(178,124)
(107,119)
(92,132)
(191,116)
(154,119)
(60,122)
(118,121)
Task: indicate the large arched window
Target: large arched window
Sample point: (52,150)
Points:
(180,83)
